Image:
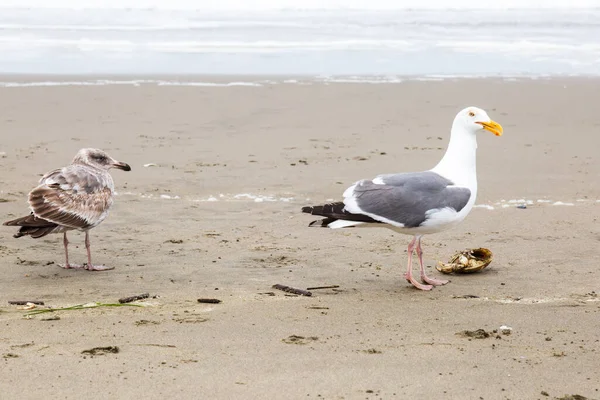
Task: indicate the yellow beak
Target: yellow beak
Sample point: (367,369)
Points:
(493,127)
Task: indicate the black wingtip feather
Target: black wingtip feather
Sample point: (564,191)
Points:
(321,223)
(326,210)
(333,212)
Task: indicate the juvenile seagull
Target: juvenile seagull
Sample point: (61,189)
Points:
(77,196)
(417,203)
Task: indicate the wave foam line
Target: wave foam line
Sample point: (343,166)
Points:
(261,83)
(255,198)
(260,198)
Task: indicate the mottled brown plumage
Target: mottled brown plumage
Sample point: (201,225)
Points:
(78,196)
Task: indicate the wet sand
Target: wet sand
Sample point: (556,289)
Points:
(217,216)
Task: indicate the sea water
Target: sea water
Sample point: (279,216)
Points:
(379,39)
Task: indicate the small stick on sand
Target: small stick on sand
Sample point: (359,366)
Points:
(292,290)
(24,302)
(211,301)
(323,287)
(134,298)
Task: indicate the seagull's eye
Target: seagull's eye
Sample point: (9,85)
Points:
(471,114)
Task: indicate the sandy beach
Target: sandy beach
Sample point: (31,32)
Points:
(216,214)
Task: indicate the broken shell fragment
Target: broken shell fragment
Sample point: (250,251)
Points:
(467,261)
(28,306)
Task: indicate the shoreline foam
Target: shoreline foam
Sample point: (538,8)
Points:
(201,80)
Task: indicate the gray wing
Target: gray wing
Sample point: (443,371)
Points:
(73,196)
(407,198)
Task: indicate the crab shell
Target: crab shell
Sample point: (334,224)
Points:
(467,261)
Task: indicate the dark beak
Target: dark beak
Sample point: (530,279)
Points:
(122,165)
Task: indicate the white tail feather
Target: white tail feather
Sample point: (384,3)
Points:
(340,223)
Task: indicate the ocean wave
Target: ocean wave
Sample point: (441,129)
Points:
(380,21)
(135,82)
(188,46)
(264,82)
(75,83)
(519,46)
(528,47)
(148,37)
(362,79)
(294,4)
(150,26)
(208,84)
(582,54)
(268,46)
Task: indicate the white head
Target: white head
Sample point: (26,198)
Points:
(98,159)
(473,119)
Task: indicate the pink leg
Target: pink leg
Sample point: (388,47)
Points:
(90,266)
(408,275)
(67,264)
(424,277)
(66,243)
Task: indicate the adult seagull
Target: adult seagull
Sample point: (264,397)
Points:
(77,196)
(417,203)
